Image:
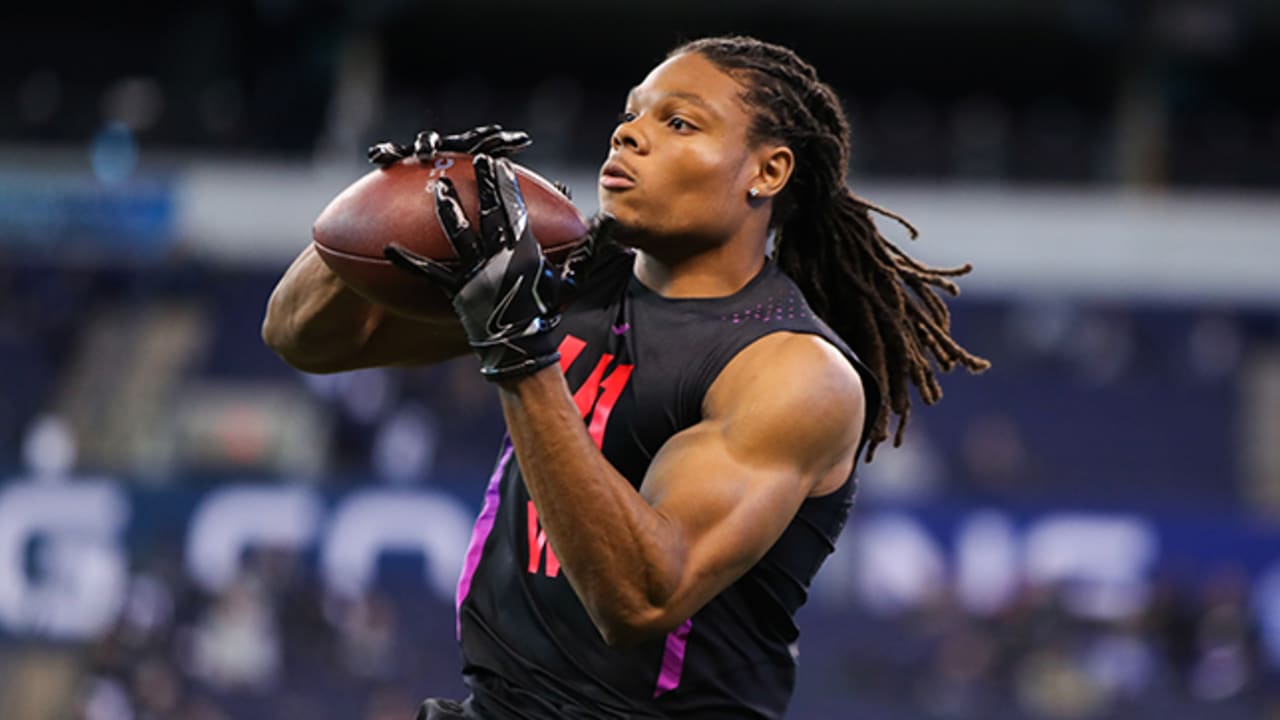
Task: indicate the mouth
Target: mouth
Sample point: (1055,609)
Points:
(616,176)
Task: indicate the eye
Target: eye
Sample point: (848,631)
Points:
(680,124)
(626,117)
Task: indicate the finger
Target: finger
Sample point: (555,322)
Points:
(426,144)
(503,144)
(600,228)
(466,141)
(434,271)
(456,226)
(580,259)
(512,199)
(564,189)
(493,222)
(385,154)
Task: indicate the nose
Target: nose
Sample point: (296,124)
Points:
(628,135)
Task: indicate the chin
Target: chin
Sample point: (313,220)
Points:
(634,228)
(627,223)
(615,205)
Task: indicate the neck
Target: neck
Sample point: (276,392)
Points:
(718,272)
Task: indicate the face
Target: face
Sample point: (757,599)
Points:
(679,165)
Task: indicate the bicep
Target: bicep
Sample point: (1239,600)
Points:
(723,510)
(728,487)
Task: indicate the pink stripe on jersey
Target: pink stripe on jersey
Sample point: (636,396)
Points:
(673,659)
(480,533)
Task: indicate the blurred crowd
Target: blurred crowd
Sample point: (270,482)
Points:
(273,644)
(1187,653)
(158,375)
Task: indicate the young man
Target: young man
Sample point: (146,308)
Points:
(683,435)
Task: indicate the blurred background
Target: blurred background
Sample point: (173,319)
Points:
(190,529)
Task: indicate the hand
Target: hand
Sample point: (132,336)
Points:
(489,140)
(505,292)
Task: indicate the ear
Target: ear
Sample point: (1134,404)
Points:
(774,164)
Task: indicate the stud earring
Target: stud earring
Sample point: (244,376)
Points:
(753,193)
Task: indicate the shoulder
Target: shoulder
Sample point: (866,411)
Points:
(797,390)
(789,364)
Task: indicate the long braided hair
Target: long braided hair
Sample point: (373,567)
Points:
(881,301)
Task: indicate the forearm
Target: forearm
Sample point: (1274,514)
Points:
(621,556)
(312,318)
(318,324)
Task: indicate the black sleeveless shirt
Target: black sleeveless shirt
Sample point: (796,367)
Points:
(639,366)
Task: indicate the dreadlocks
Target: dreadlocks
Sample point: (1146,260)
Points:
(884,303)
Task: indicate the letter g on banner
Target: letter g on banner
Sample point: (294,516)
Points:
(63,571)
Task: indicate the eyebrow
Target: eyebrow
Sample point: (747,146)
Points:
(694,98)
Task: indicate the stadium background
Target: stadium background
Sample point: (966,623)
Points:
(190,529)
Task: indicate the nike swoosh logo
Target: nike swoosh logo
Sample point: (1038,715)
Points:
(494,326)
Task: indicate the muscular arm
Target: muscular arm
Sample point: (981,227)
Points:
(782,422)
(318,324)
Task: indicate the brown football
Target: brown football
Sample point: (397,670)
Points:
(396,205)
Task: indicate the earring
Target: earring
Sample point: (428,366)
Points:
(753,193)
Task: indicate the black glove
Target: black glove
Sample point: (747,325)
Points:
(598,245)
(506,294)
(489,140)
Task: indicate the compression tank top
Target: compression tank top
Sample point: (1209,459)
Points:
(639,365)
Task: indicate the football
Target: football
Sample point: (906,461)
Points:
(396,204)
